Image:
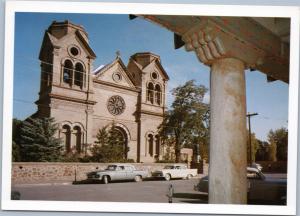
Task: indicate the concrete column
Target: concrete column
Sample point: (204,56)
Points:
(228,160)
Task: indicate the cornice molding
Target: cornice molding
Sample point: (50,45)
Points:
(116,85)
(62,97)
(151,113)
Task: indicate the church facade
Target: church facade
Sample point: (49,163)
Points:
(83,100)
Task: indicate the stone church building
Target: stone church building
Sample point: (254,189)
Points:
(83,100)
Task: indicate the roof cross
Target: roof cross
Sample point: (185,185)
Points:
(118,54)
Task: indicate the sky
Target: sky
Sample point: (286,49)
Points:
(111,33)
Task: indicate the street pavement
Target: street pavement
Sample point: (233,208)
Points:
(154,191)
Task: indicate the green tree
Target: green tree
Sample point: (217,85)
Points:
(168,156)
(255,144)
(279,138)
(38,140)
(272,152)
(188,119)
(273,146)
(262,151)
(16,130)
(16,155)
(110,146)
(16,133)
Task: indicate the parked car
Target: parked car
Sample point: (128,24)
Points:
(175,171)
(116,172)
(261,190)
(257,166)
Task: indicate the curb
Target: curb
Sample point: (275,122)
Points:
(42,184)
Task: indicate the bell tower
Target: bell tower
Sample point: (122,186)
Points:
(66,89)
(151,78)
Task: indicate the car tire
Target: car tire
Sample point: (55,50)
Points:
(167,177)
(189,176)
(138,178)
(105,179)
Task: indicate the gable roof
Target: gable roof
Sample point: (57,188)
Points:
(50,40)
(162,69)
(119,61)
(85,43)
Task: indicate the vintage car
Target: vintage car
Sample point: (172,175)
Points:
(116,172)
(257,166)
(175,171)
(261,190)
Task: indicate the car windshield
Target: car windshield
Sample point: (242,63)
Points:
(111,167)
(255,174)
(169,167)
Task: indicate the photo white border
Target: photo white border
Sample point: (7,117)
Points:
(149,8)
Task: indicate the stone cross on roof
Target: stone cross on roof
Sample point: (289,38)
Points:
(118,54)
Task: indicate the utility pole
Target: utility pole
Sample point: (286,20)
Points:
(249,115)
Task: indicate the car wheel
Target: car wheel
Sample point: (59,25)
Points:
(189,176)
(167,177)
(105,179)
(138,178)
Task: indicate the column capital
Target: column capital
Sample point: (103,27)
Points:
(212,41)
(244,39)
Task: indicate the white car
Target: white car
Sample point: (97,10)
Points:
(175,171)
(257,166)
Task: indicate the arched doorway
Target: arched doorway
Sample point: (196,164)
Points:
(120,138)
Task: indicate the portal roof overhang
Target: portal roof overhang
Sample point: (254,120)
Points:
(261,43)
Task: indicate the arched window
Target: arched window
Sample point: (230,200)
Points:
(157,145)
(66,130)
(78,135)
(68,72)
(78,78)
(157,94)
(150,144)
(150,93)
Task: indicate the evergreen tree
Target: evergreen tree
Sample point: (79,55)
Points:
(102,136)
(38,141)
(110,146)
(16,132)
(16,155)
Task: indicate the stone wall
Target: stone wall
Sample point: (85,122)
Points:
(28,173)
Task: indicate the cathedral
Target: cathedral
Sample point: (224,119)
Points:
(83,100)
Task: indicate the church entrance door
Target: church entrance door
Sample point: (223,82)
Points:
(120,137)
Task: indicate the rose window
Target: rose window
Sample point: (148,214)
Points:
(116,105)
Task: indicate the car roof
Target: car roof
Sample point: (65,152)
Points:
(252,169)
